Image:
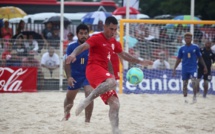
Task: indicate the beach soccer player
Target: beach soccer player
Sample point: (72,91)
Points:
(189,54)
(208,57)
(104,83)
(76,76)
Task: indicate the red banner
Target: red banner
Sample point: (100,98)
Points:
(18,79)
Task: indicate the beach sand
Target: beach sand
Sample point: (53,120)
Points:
(41,113)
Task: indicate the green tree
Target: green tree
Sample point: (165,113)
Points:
(203,8)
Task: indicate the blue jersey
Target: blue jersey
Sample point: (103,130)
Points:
(189,56)
(78,68)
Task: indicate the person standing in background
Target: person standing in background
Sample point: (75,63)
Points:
(209,57)
(189,54)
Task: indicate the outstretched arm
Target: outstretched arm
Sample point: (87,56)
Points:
(126,56)
(72,57)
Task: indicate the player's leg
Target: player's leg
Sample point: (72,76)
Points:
(194,85)
(114,104)
(205,88)
(70,96)
(69,102)
(89,109)
(105,86)
(199,76)
(207,78)
(198,87)
(185,83)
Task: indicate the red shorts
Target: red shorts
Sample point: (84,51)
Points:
(96,75)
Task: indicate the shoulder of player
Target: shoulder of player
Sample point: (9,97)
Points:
(72,43)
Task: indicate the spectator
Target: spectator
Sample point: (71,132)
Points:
(6,55)
(99,26)
(47,33)
(20,48)
(13,61)
(20,27)
(6,32)
(179,31)
(50,60)
(163,36)
(161,63)
(5,44)
(55,38)
(147,35)
(30,61)
(159,49)
(31,44)
(177,43)
(198,34)
(69,39)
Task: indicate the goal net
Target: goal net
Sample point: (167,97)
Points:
(159,41)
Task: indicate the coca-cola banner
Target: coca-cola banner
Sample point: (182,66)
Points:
(18,79)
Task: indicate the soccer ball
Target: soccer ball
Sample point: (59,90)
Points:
(134,75)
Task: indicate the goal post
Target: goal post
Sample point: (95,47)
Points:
(159,25)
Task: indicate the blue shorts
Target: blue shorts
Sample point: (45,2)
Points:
(81,81)
(188,75)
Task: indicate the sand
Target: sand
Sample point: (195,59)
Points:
(41,113)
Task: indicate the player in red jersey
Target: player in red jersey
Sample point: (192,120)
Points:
(101,46)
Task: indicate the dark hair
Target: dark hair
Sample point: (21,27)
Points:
(19,28)
(110,20)
(82,27)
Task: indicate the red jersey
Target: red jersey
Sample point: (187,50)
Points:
(115,61)
(101,49)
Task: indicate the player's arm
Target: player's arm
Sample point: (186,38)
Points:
(77,51)
(201,60)
(176,64)
(126,56)
(67,70)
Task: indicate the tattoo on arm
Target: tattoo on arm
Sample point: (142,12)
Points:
(80,48)
(128,57)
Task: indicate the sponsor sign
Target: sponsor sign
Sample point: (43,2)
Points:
(16,79)
(162,81)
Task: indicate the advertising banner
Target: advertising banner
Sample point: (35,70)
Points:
(18,79)
(162,81)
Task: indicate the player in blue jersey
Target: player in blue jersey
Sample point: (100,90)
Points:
(209,58)
(75,73)
(189,54)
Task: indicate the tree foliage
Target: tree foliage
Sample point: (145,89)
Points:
(203,8)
